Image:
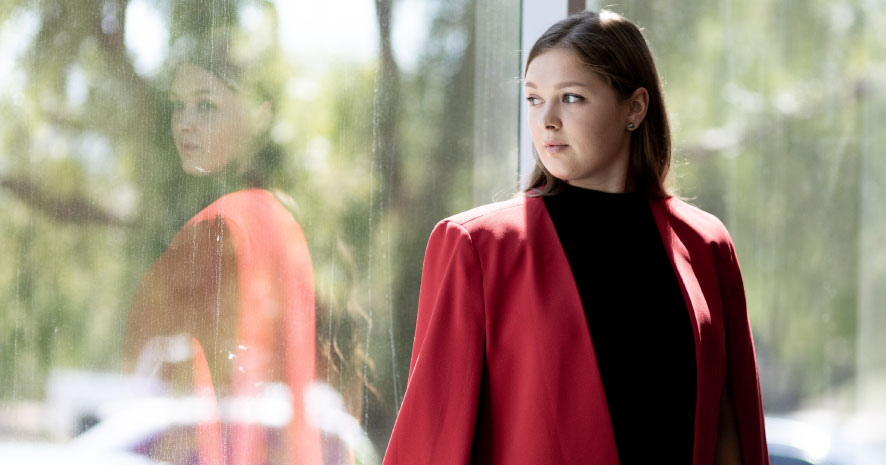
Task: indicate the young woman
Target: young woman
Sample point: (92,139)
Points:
(227,313)
(594,319)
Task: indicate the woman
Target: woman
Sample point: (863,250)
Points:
(594,319)
(227,313)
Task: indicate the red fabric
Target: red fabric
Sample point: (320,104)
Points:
(503,369)
(266,323)
(275,281)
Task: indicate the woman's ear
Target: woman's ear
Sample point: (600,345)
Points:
(638,103)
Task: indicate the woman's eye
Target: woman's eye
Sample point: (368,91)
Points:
(572,98)
(177,106)
(533,101)
(206,106)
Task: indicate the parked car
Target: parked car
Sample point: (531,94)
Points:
(66,454)
(161,429)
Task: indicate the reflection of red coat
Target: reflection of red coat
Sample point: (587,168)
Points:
(238,278)
(503,369)
(275,281)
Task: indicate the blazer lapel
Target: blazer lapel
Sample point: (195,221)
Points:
(564,326)
(696,304)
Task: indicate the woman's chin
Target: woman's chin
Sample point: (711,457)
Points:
(195,168)
(202,164)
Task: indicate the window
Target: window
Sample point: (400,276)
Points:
(212,211)
(320,147)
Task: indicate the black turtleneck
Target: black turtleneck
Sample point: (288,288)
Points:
(638,321)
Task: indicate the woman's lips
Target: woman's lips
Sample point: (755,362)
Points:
(553,148)
(188,147)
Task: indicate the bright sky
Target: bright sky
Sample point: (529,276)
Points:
(16,34)
(147,36)
(310,33)
(315,30)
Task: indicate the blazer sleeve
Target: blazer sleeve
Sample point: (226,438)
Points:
(435,424)
(742,362)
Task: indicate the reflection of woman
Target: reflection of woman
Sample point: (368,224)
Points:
(595,319)
(236,281)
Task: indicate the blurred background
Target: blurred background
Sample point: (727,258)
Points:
(393,114)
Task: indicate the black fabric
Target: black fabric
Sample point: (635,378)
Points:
(638,320)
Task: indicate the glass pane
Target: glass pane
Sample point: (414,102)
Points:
(214,216)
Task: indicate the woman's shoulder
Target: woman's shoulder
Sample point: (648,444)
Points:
(248,204)
(507,214)
(252,211)
(686,218)
(488,228)
(246,199)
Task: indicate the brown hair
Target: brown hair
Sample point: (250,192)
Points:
(614,47)
(214,52)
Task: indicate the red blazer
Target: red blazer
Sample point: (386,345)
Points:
(272,317)
(503,369)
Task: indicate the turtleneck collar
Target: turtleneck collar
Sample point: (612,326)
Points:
(586,197)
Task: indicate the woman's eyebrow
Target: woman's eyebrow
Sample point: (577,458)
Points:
(558,86)
(195,93)
(571,84)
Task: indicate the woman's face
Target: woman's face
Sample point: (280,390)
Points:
(209,122)
(577,122)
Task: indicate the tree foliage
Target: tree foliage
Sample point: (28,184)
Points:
(775,105)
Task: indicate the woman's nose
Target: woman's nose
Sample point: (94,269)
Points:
(550,118)
(183,121)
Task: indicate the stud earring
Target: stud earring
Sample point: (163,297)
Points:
(631,126)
